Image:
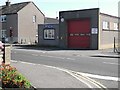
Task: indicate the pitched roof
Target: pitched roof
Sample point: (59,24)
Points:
(51,20)
(110,15)
(13,8)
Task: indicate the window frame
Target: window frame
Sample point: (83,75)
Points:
(3,18)
(46,34)
(34,18)
(116,26)
(3,33)
(105,25)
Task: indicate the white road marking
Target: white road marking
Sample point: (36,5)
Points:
(100,76)
(70,58)
(13,61)
(43,52)
(95,82)
(83,81)
(27,63)
(34,54)
(52,56)
(57,57)
(111,63)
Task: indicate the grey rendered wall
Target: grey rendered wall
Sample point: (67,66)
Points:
(42,41)
(107,36)
(93,14)
(27,30)
(11,21)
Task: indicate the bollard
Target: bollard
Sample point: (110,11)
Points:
(7,54)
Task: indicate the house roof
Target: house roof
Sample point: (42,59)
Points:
(110,15)
(13,8)
(51,20)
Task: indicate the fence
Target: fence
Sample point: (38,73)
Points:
(117,45)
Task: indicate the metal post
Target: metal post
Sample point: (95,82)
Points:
(114,45)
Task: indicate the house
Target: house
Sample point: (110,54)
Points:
(87,29)
(19,22)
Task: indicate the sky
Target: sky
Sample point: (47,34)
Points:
(51,8)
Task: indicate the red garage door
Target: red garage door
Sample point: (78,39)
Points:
(79,33)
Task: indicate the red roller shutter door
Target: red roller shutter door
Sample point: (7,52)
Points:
(79,33)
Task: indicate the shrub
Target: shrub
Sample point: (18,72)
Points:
(11,78)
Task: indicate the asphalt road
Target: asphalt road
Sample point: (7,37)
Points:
(101,69)
(69,60)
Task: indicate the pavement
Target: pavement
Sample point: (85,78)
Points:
(108,53)
(42,76)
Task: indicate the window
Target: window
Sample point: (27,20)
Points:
(105,25)
(49,34)
(3,18)
(3,33)
(34,18)
(115,26)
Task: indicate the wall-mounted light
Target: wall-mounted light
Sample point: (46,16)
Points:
(62,19)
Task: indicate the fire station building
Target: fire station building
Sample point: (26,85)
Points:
(87,29)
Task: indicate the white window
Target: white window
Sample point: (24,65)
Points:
(3,18)
(49,34)
(115,26)
(105,25)
(3,33)
(34,18)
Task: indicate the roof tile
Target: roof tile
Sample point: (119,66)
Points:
(13,8)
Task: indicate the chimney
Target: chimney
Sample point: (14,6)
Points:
(8,3)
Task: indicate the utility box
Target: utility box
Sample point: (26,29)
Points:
(7,53)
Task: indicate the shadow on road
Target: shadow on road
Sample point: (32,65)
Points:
(45,48)
(106,56)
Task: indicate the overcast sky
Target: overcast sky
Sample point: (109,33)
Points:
(51,8)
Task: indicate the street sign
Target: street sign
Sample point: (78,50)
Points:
(94,31)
